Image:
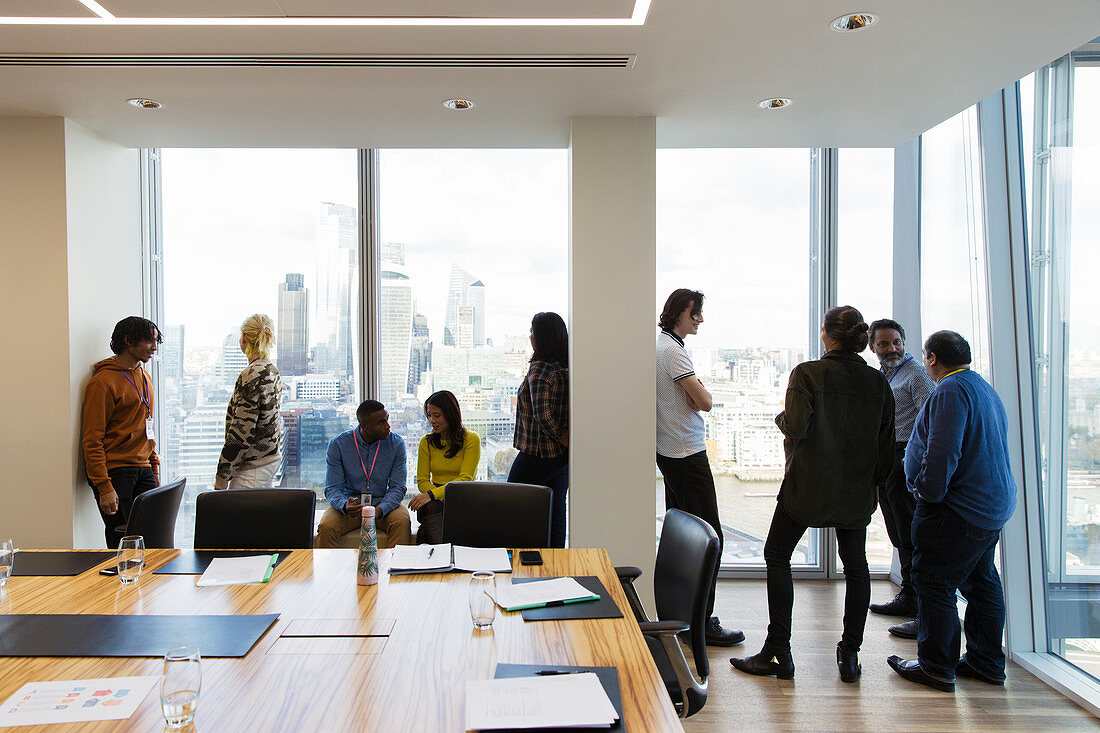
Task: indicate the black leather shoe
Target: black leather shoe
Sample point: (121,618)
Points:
(964,669)
(848,664)
(904,604)
(767,664)
(907,630)
(718,636)
(911,670)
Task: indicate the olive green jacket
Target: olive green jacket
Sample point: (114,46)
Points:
(838,425)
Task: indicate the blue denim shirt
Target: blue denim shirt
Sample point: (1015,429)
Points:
(958,453)
(346,478)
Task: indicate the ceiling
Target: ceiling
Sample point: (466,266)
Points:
(698,66)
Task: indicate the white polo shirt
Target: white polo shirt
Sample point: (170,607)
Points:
(680,430)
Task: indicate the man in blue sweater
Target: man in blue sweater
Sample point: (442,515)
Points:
(370,460)
(958,468)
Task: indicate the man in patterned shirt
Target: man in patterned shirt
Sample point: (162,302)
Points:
(911,386)
(681,444)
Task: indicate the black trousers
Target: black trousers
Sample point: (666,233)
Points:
(689,487)
(898,506)
(783,537)
(129,481)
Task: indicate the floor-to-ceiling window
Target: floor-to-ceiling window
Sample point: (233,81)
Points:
(734,224)
(473,243)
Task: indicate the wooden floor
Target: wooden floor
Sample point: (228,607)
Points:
(816,699)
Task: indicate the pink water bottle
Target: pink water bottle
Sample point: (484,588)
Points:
(368,548)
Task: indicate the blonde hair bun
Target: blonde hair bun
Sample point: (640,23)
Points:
(259,335)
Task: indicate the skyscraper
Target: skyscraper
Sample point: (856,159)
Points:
(396,331)
(334,297)
(292,337)
(170,353)
(232,360)
(464,328)
(420,352)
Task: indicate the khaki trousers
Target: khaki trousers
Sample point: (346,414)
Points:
(397,526)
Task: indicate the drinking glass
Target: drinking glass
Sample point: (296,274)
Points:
(131,556)
(7,559)
(482,608)
(179,688)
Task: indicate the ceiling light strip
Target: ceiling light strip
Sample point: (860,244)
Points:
(96,8)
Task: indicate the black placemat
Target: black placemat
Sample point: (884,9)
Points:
(28,562)
(195,562)
(609,678)
(96,635)
(603,608)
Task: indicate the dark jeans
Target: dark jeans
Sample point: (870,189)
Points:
(783,537)
(689,487)
(430,517)
(898,506)
(129,481)
(552,473)
(949,555)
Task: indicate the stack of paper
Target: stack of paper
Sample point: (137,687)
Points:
(238,570)
(558,701)
(421,559)
(472,559)
(554,592)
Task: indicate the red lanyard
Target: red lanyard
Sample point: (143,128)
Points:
(376,451)
(144,396)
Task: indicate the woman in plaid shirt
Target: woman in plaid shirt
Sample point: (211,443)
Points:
(542,419)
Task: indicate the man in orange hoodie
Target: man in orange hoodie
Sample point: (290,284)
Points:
(119,446)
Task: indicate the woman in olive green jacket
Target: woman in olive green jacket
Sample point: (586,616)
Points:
(838,430)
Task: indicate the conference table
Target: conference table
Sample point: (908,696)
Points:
(391,657)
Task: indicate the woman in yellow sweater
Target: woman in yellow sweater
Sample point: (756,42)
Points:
(449,453)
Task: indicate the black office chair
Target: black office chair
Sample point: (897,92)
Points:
(153,515)
(254,519)
(686,558)
(490,514)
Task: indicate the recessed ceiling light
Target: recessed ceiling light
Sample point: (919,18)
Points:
(144,103)
(853,22)
(774,103)
(459,104)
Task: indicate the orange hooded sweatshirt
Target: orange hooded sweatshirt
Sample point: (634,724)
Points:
(113,433)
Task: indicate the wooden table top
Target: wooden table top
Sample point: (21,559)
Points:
(317,669)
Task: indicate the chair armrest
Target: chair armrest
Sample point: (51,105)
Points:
(663,628)
(627,575)
(628,572)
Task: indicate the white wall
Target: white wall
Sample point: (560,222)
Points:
(103,205)
(69,269)
(36,432)
(613,273)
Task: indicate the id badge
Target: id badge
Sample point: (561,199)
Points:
(149,430)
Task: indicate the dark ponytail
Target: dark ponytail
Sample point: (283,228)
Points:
(845,325)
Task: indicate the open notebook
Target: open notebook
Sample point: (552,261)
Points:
(446,557)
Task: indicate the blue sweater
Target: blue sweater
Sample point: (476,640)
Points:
(346,478)
(958,452)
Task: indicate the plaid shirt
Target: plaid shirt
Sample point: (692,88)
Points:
(542,410)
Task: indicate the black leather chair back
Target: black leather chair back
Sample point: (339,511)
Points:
(686,558)
(489,514)
(153,515)
(254,519)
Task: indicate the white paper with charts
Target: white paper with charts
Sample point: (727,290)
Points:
(76,701)
(557,701)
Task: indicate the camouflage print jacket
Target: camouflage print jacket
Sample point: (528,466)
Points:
(253,425)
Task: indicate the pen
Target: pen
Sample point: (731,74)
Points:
(430,551)
(548,672)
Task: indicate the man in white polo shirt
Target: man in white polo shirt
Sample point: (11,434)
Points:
(681,444)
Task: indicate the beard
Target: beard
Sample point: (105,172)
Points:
(891,362)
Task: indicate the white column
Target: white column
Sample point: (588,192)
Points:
(612,271)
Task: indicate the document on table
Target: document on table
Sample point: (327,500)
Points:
(555,701)
(482,558)
(421,559)
(556,591)
(76,701)
(238,570)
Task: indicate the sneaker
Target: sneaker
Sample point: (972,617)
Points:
(907,630)
(718,636)
(904,604)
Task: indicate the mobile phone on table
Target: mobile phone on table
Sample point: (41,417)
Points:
(530,557)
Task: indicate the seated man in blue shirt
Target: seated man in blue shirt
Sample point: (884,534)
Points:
(958,468)
(368,459)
